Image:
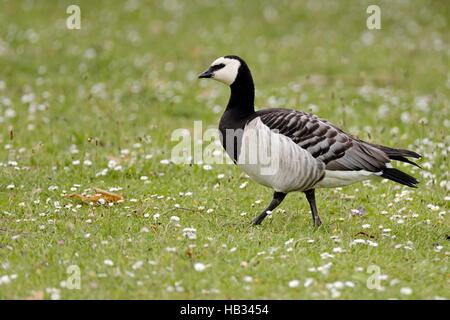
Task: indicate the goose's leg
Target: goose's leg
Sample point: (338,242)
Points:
(277,199)
(312,204)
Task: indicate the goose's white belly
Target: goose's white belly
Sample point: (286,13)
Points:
(335,179)
(275,161)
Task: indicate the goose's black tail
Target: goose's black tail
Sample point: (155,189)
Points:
(399,154)
(395,174)
(400,177)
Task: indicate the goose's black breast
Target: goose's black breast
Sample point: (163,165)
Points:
(231,129)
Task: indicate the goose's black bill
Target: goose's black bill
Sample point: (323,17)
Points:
(207,74)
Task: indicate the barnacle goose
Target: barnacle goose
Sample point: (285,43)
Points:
(308,152)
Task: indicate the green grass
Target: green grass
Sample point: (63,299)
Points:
(390,86)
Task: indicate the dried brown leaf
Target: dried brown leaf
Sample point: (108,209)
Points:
(365,234)
(108,197)
(36,295)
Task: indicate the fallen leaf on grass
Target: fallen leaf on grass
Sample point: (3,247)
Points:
(100,197)
(188,253)
(36,295)
(362,233)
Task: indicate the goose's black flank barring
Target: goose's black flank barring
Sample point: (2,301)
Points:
(289,150)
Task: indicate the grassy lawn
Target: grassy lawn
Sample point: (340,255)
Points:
(96,108)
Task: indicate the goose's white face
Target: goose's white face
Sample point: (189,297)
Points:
(223,69)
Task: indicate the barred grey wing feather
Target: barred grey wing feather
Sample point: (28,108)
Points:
(325,142)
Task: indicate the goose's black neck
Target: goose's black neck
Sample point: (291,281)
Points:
(242,98)
(239,110)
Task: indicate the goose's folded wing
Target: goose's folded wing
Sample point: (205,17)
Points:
(325,142)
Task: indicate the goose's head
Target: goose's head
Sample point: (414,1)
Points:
(225,69)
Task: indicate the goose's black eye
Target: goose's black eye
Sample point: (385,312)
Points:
(217,67)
